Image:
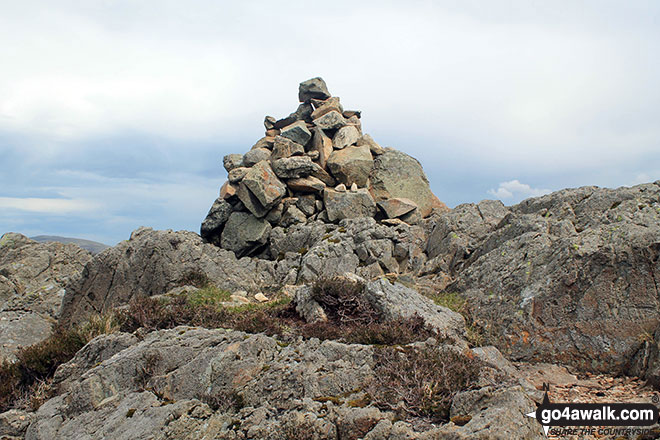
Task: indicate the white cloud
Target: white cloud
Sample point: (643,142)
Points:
(514,188)
(48,206)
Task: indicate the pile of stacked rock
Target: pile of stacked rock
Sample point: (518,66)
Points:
(314,164)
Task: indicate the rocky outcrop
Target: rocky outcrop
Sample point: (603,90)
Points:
(192,383)
(154,262)
(32,280)
(569,277)
(317,152)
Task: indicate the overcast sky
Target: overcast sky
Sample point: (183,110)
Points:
(116,114)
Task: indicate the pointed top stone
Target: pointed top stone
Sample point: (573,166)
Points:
(314,88)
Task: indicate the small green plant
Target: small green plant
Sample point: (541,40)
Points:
(452,300)
(208,296)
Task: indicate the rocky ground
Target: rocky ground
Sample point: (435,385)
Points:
(446,323)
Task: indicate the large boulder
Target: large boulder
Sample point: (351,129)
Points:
(215,220)
(244,233)
(348,204)
(351,165)
(314,88)
(33,277)
(568,277)
(153,263)
(395,174)
(260,189)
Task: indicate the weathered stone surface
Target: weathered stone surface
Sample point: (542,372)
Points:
(269,122)
(308,184)
(566,277)
(396,174)
(286,148)
(341,205)
(307,204)
(232,161)
(345,136)
(237,174)
(154,262)
(265,142)
(292,215)
(351,113)
(255,156)
(297,132)
(244,232)
(215,220)
(330,121)
(314,88)
(365,139)
(397,300)
(155,387)
(293,167)
(32,281)
(351,165)
(263,183)
(228,190)
(323,144)
(323,107)
(14,423)
(324,176)
(396,207)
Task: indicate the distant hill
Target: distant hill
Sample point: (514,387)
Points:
(92,246)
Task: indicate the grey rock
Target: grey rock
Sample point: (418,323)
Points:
(14,423)
(292,215)
(99,349)
(351,165)
(33,277)
(250,202)
(397,300)
(330,121)
(341,205)
(232,161)
(395,174)
(328,258)
(293,167)
(153,262)
(314,88)
(215,220)
(297,132)
(297,238)
(237,174)
(286,148)
(373,146)
(345,137)
(263,183)
(307,204)
(573,273)
(255,156)
(244,233)
(396,207)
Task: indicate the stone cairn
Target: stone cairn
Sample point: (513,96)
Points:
(314,164)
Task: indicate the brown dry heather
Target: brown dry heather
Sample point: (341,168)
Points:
(421,382)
